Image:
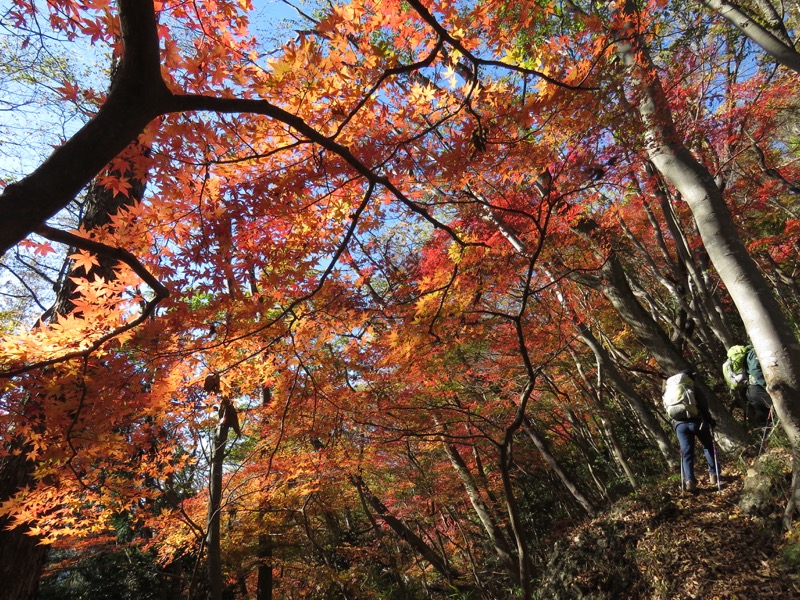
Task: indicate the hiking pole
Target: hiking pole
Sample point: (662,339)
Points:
(764,433)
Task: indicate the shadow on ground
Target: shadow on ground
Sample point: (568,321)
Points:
(666,544)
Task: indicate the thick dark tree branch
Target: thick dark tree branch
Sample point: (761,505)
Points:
(262,107)
(445,35)
(138,96)
(64,237)
(124,256)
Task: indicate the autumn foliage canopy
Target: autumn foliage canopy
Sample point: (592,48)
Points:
(405,246)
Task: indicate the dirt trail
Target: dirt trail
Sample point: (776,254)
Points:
(667,544)
(702,546)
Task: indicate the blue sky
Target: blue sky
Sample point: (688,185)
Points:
(28,133)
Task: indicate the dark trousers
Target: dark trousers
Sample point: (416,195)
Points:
(759,404)
(687,431)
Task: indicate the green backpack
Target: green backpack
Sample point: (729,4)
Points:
(734,369)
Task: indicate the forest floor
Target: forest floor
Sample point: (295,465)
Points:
(705,547)
(667,544)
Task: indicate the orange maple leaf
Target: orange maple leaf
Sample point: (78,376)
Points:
(85,260)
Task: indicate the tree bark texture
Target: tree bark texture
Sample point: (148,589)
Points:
(137,97)
(21,555)
(772,44)
(213,529)
(498,540)
(616,288)
(769,331)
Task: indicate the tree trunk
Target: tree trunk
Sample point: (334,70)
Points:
(138,96)
(642,410)
(515,520)
(565,478)
(264,591)
(499,542)
(616,288)
(616,450)
(772,44)
(21,555)
(709,302)
(401,529)
(214,554)
(690,287)
(605,425)
(770,332)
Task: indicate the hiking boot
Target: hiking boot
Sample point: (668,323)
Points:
(690,486)
(713,479)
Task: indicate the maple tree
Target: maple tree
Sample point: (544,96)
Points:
(439,257)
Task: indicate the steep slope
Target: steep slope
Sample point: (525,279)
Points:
(666,544)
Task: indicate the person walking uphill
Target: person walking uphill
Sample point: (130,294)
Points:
(757,397)
(744,377)
(688,412)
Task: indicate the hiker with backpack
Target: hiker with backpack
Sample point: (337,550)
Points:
(743,375)
(688,412)
(757,397)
